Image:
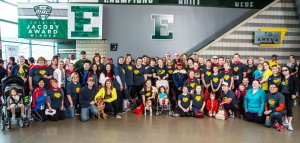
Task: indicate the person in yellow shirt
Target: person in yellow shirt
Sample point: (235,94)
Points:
(273,61)
(109,94)
(267,73)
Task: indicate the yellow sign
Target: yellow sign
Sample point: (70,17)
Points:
(268,29)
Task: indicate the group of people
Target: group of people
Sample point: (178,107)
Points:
(263,93)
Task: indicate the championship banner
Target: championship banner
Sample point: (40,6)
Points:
(43,21)
(251,4)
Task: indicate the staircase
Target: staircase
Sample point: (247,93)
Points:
(240,39)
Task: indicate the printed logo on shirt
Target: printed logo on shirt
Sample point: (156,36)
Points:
(42,72)
(123,70)
(136,71)
(226,77)
(271,102)
(225,99)
(129,67)
(249,71)
(236,69)
(215,80)
(198,98)
(57,95)
(192,85)
(161,72)
(185,99)
(170,71)
(77,90)
(208,73)
(148,94)
(276,81)
(285,82)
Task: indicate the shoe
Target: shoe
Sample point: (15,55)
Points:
(279,127)
(290,127)
(231,116)
(285,124)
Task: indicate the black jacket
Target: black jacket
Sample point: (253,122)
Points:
(86,96)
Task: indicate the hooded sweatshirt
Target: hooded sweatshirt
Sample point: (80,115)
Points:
(255,103)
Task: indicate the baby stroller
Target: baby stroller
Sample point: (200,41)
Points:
(6,115)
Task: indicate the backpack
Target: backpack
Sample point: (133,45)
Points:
(222,114)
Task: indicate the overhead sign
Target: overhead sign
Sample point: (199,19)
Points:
(269,37)
(252,4)
(60,21)
(43,21)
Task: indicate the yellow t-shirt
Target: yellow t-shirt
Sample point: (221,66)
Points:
(265,85)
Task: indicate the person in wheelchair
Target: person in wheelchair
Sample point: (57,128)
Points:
(15,101)
(163,97)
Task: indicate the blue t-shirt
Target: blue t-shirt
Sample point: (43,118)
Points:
(161,72)
(138,76)
(198,100)
(162,95)
(72,90)
(207,74)
(37,73)
(227,77)
(216,79)
(275,80)
(229,94)
(128,73)
(56,97)
(119,71)
(185,100)
(238,70)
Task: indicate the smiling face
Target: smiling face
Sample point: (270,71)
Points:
(13,92)
(255,84)
(41,84)
(198,89)
(273,88)
(108,84)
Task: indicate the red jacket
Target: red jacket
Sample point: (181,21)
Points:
(212,105)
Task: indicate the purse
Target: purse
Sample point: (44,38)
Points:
(222,114)
(199,114)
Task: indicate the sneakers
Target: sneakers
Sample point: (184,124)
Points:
(231,116)
(279,127)
(285,124)
(290,127)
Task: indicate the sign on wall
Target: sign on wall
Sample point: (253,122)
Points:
(85,21)
(269,37)
(161,30)
(252,4)
(43,21)
(60,21)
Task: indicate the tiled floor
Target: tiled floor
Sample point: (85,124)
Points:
(156,129)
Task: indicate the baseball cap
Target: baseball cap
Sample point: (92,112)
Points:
(225,83)
(82,53)
(90,79)
(109,58)
(179,64)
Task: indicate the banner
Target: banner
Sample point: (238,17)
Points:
(251,4)
(43,21)
(60,21)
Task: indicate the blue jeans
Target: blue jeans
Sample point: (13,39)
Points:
(87,111)
(70,112)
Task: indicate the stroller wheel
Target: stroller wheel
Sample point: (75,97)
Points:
(8,123)
(2,125)
(26,121)
(21,123)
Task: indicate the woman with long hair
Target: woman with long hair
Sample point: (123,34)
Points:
(107,73)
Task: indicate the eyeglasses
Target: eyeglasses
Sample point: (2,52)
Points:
(215,58)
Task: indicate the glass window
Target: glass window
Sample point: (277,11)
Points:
(8,31)
(45,51)
(8,12)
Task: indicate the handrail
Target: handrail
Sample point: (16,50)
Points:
(238,26)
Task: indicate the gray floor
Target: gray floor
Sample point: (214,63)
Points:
(161,129)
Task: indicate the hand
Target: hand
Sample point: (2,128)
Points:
(266,113)
(158,78)
(45,76)
(201,110)
(92,102)
(294,96)
(71,105)
(191,108)
(232,87)
(121,87)
(50,109)
(179,88)
(31,89)
(62,108)
(186,110)
(268,118)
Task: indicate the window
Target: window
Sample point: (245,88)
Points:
(8,12)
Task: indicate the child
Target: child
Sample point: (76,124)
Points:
(215,81)
(162,96)
(240,94)
(198,100)
(185,103)
(258,73)
(15,101)
(191,82)
(55,100)
(59,74)
(212,105)
(228,76)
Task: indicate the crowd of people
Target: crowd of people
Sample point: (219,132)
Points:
(263,93)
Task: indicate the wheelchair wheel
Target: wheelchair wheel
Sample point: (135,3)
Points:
(26,121)
(21,123)
(8,123)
